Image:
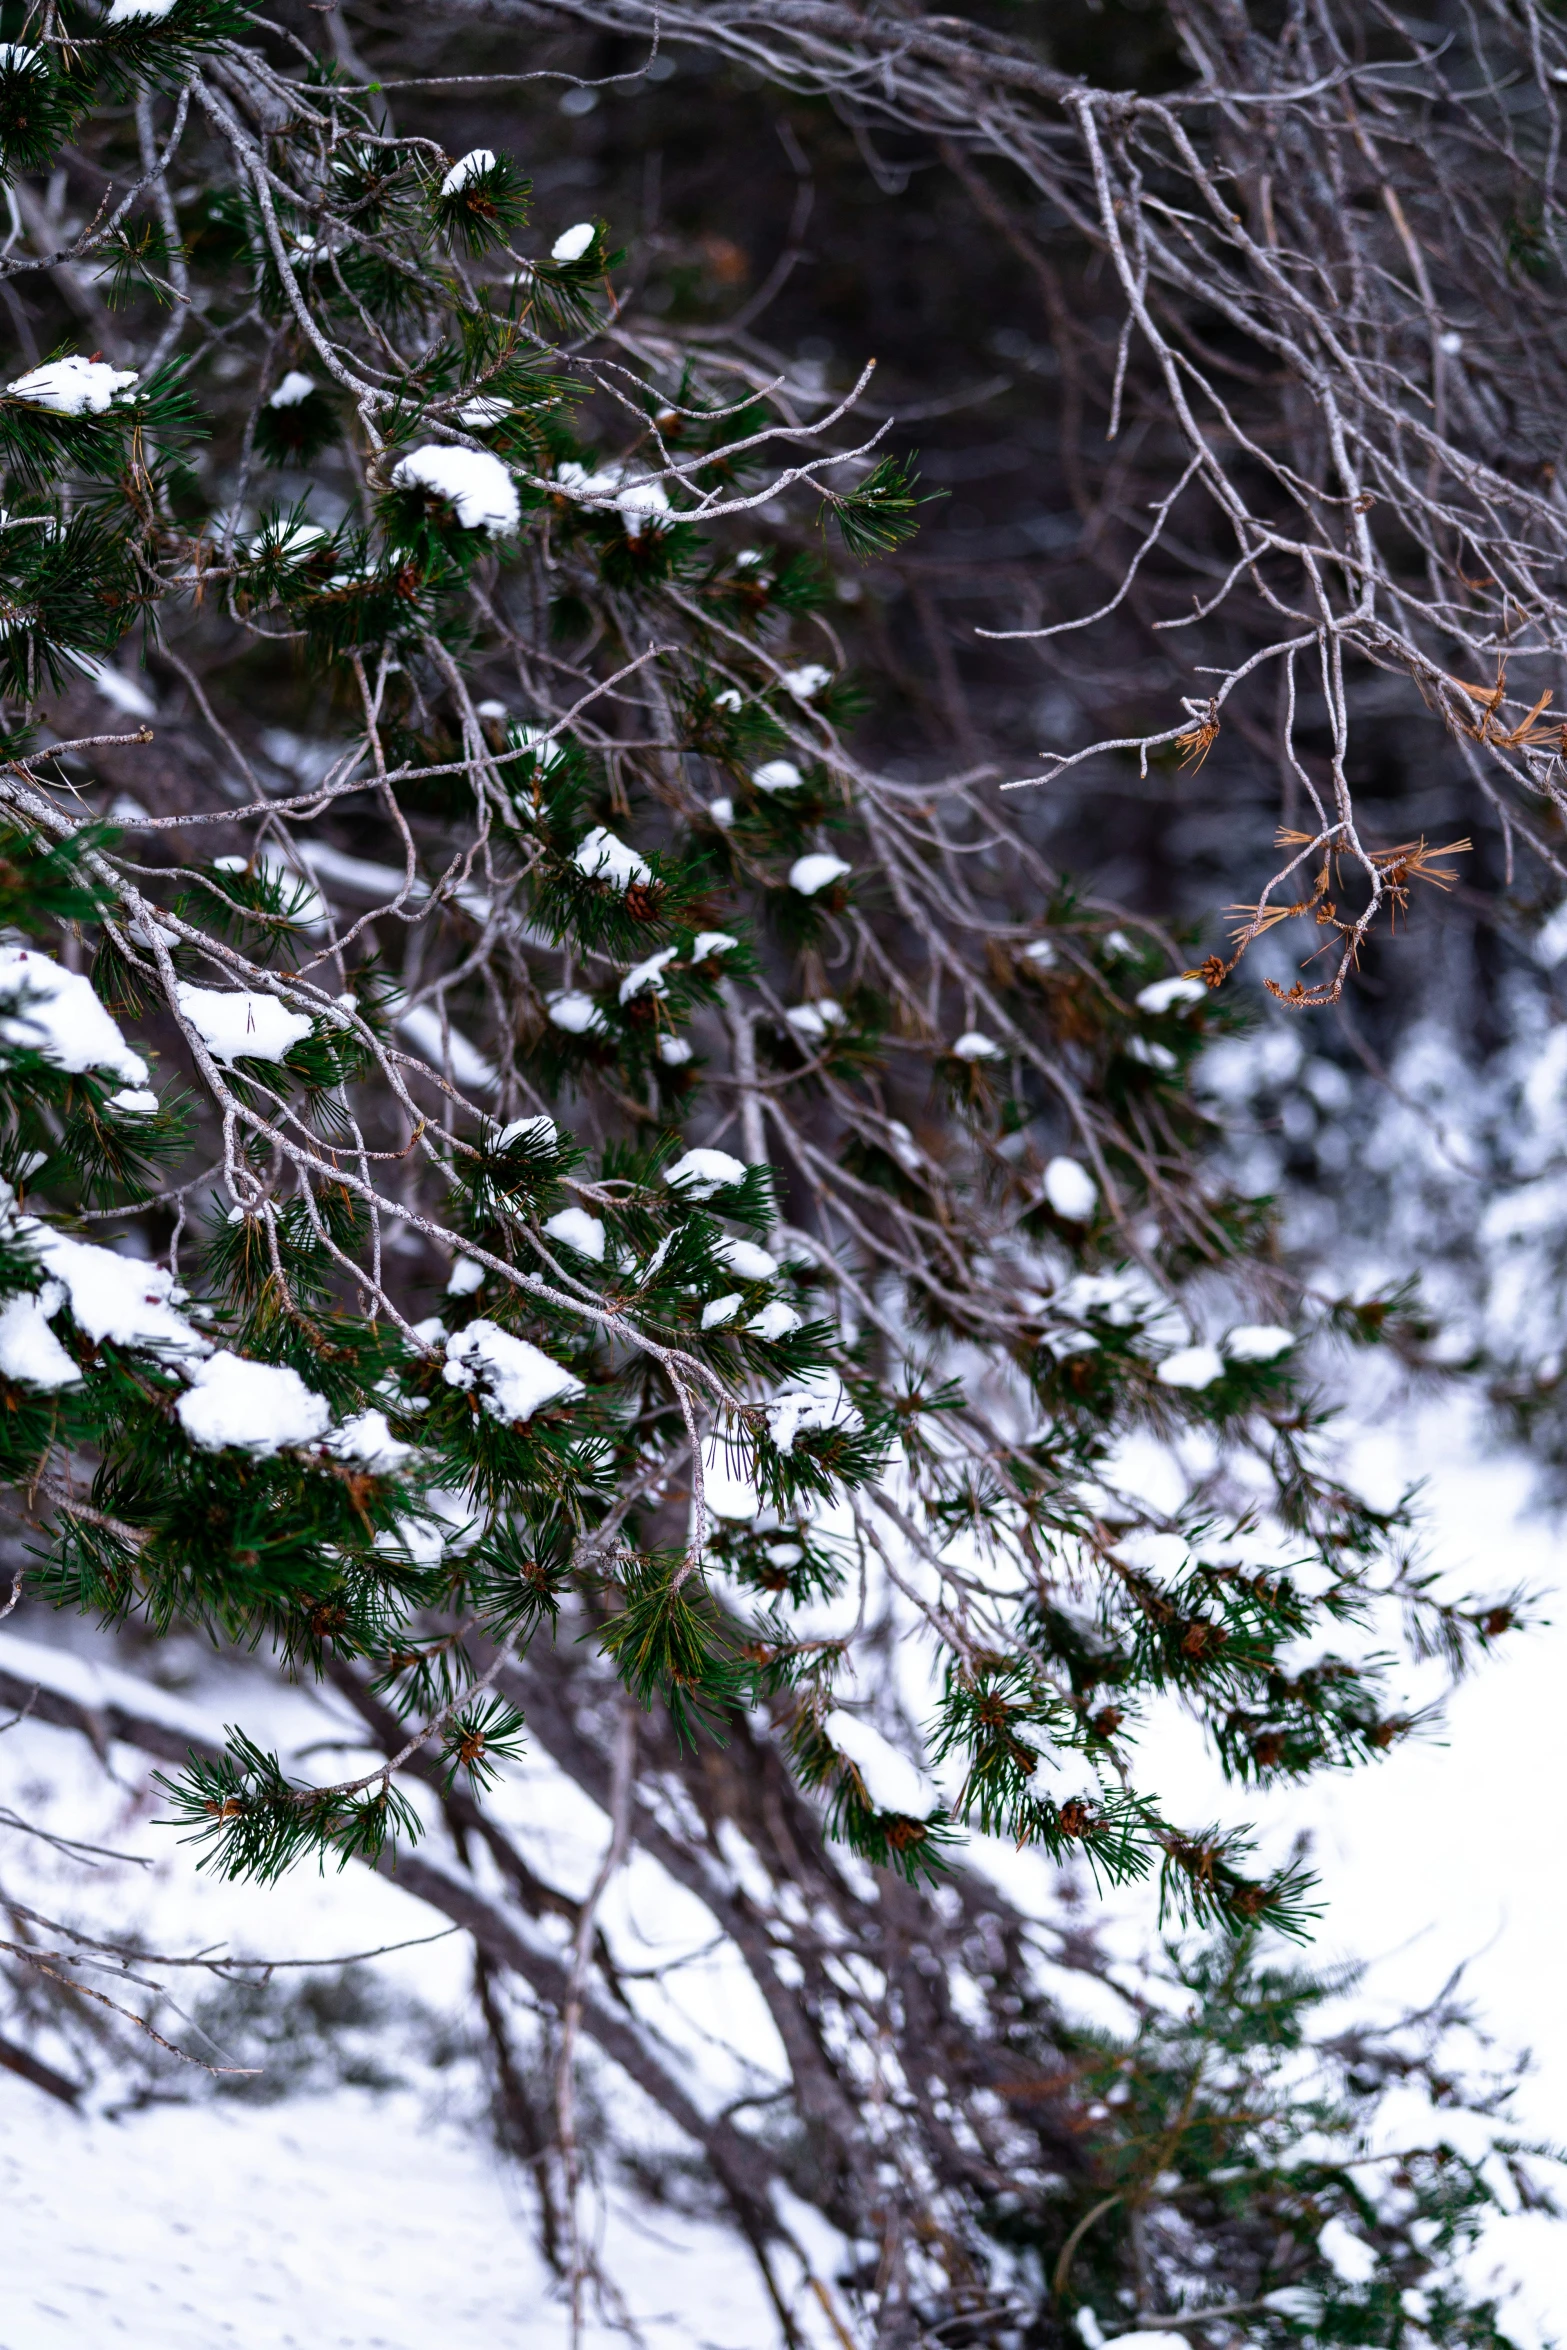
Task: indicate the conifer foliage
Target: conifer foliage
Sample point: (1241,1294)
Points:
(531,1164)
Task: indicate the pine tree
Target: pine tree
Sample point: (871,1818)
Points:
(805,1175)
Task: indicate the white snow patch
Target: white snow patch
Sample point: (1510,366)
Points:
(367,1440)
(76,386)
(673,1051)
(720,1310)
(293,391)
(476,484)
(778,775)
(1258,1342)
(1349,2256)
(541,1133)
(816,1400)
(573,242)
(643,505)
(604,857)
(578,1230)
(891,1782)
(116,687)
(466,1277)
(702,1172)
(241,1024)
(515,1380)
(806,681)
(251,1407)
(122,1298)
(471,166)
(54,1012)
(578,1014)
(1165,995)
(746,1259)
(30,1353)
(974,1045)
(708,943)
(443,1048)
(1191,1366)
(810,875)
(812,1021)
(643,977)
(726,1488)
(1071,1190)
(775,1320)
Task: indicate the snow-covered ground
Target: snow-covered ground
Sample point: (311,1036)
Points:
(343,2222)
(1451,1852)
(350,2221)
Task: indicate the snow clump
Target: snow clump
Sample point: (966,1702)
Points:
(1071,1190)
(578,1014)
(110,1296)
(649,976)
(777,775)
(811,874)
(745,1258)
(540,1133)
(241,1024)
(974,1045)
(1191,1366)
(573,242)
(1258,1342)
(233,1403)
(1350,2257)
(293,391)
(121,1298)
(774,1321)
(54,1012)
(471,166)
(700,1173)
(76,386)
(475,484)
(602,856)
(514,1379)
(816,1400)
(1166,995)
(30,1353)
(643,505)
(578,1230)
(812,1021)
(367,1441)
(892,1784)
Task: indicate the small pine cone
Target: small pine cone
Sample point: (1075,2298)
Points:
(642,901)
